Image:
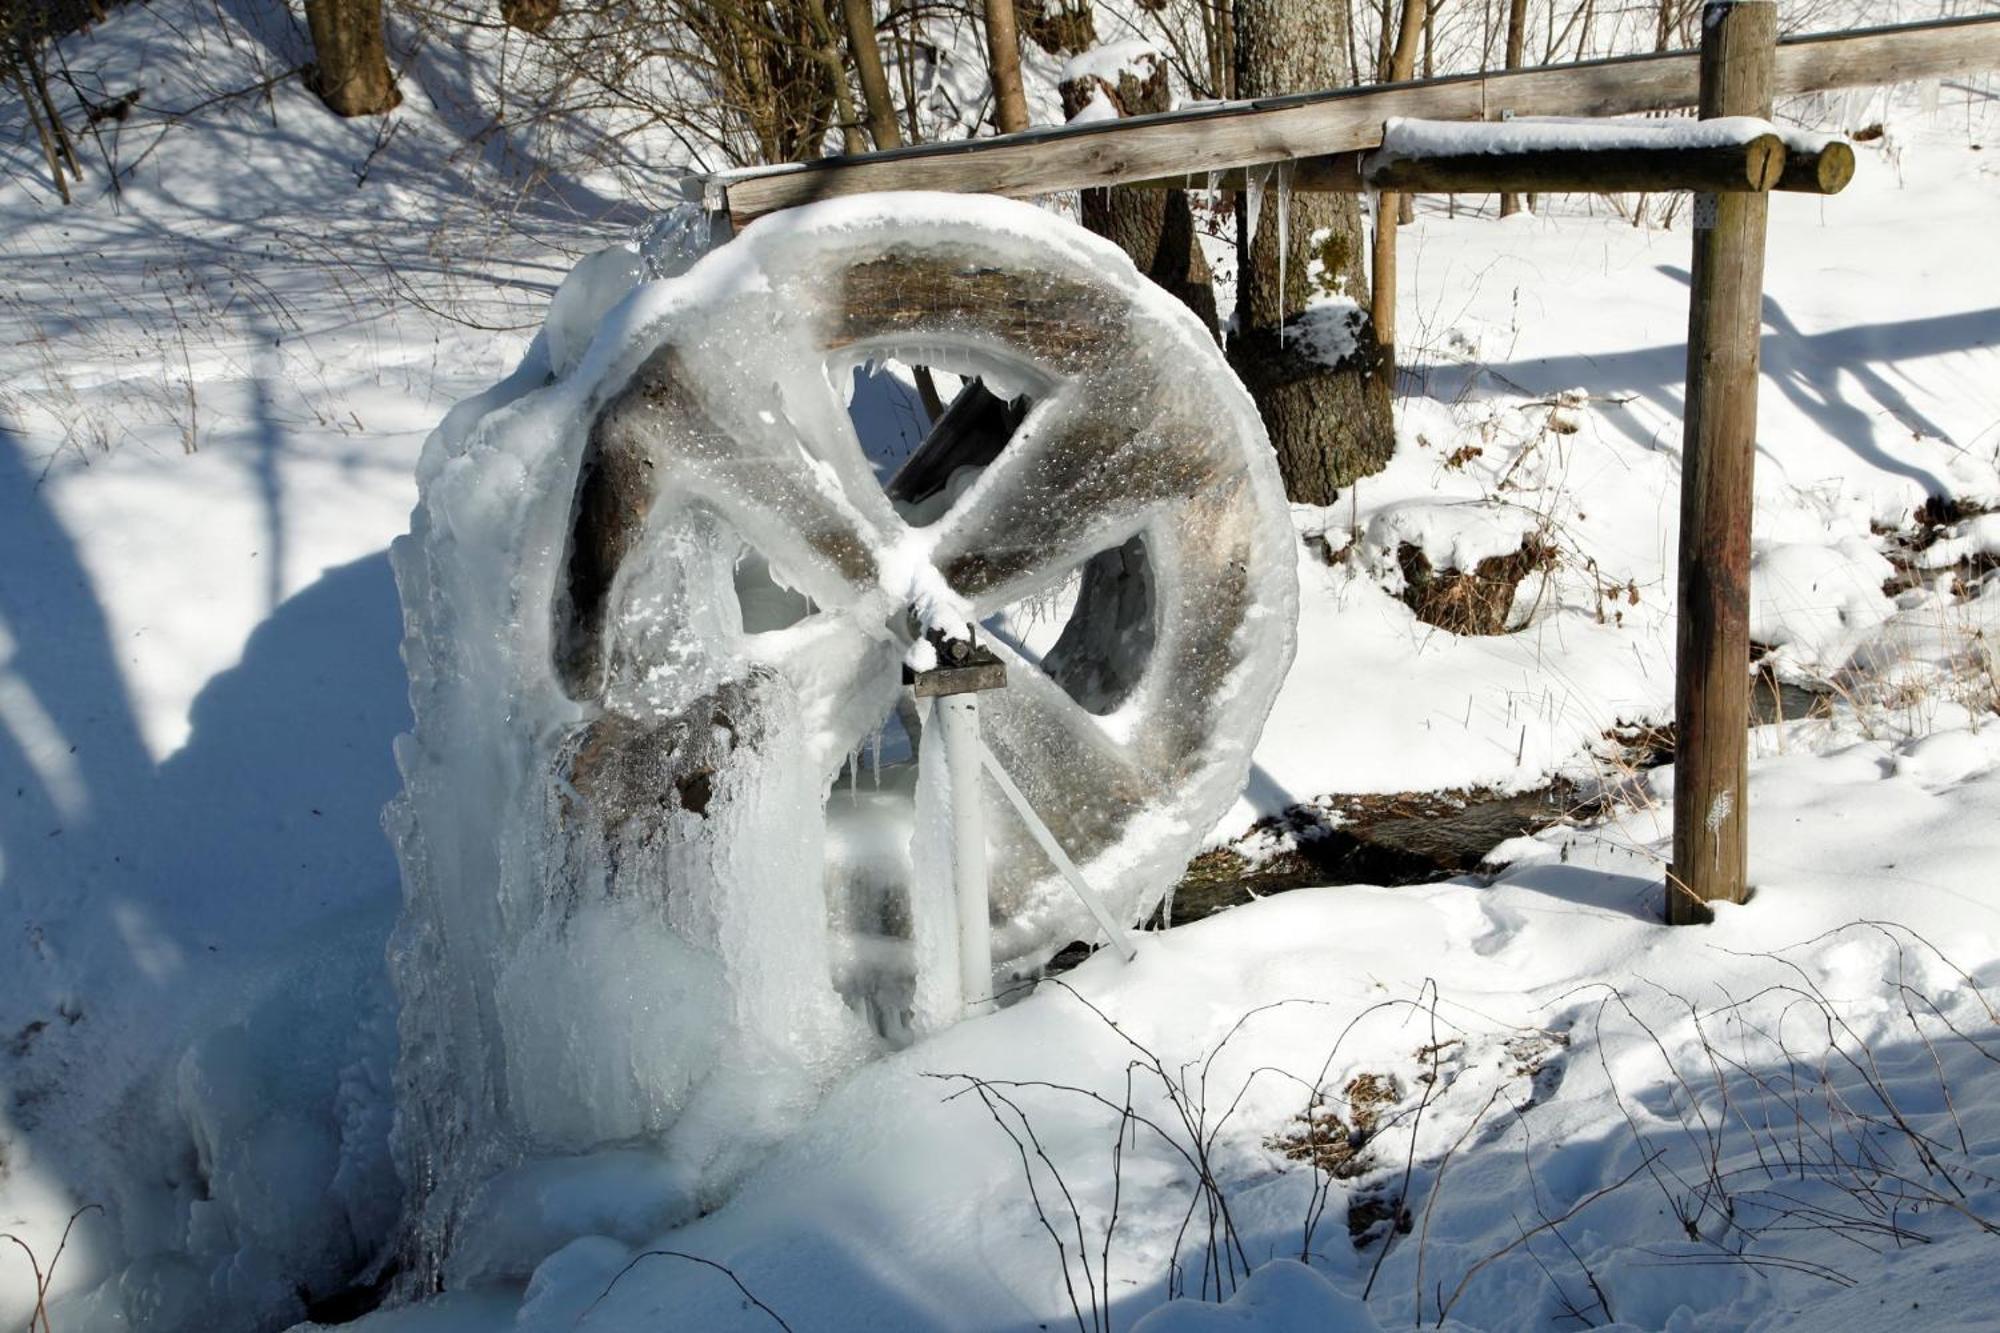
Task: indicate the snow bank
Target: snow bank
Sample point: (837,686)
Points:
(1976,536)
(1560,1041)
(1817,604)
(1284,1296)
(1110,61)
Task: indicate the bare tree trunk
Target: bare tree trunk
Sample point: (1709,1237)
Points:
(1353,51)
(39,78)
(351,69)
(860,19)
(1215,22)
(1329,423)
(906,65)
(15,67)
(1003,58)
(1155,227)
(1406,211)
(1226,9)
(828,53)
(1388,208)
(1517,42)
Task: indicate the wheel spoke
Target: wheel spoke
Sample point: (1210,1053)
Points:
(1083,783)
(761,468)
(1084,472)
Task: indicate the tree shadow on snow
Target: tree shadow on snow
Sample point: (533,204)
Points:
(150,905)
(1807,369)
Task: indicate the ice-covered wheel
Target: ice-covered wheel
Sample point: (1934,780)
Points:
(728,522)
(658,598)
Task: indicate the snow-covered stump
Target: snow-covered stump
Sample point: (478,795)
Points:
(658,606)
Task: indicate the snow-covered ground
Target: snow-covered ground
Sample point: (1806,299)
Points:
(213,388)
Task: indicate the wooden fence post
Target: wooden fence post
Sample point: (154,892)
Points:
(1719,441)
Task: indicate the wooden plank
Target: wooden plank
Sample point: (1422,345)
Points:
(1331,173)
(1869,57)
(1225,136)
(1756,165)
(1109,152)
(1718,452)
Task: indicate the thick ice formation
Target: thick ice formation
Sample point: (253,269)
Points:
(665,875)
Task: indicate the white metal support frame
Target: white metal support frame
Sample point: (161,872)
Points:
(1120,941)
(959,714)
(964,670)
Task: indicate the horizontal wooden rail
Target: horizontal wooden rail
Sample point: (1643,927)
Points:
(1226,136)
(1753,166)
(1764,163)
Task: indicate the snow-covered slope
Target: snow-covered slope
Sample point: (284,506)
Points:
(1750,1097)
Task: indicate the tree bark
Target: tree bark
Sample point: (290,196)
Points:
(351,61)
(1155,227)
(1389,207)
(1517,43)
(852,142)
(1329,424)
(14,67)
(1003,58)
(1408,212)
(860,19)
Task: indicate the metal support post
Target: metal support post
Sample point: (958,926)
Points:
(963,670)
(962,747)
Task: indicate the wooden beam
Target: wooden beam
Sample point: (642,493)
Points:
(1231,135)
(1718,452)
(1826,169)
(1333,173)
(1756,165)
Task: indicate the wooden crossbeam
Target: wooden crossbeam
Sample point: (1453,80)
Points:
(1230,136)
(1764,163)
(1754,166)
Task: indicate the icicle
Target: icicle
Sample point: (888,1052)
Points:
(875,758)
(1284,240)
(1208,197)
(1253,196)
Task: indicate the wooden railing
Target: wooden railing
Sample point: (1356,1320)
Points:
(1306,128)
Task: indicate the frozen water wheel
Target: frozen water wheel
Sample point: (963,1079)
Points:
(729,526)
(657,597)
